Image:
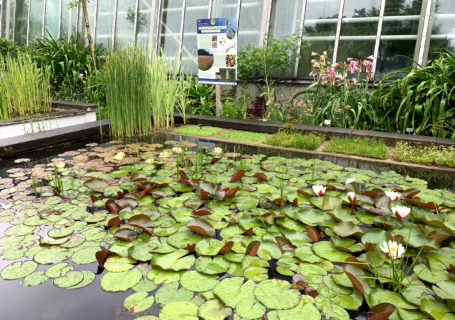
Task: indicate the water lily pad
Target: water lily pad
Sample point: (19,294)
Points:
(20,230)
(215,265)
(445,289)
(233,290)
(139,301)
(58,270)
(199,282)
(17,270)
(436,309)
(201,227)
(121,281)
(85,256)
(214,310)
(250,309)
(326,250)
(51,255)
(118,264)
(209,247)
(70,279)
(89,277)
(378,296)
(177,260)
(179,310)
(34,279)
(96,184)
(276,294)
(145,285)
(171,292)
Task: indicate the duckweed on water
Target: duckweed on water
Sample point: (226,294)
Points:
(230,234)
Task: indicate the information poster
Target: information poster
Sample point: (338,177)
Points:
(217,51)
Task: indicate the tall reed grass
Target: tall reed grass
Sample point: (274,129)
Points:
(128,92)
(24,87)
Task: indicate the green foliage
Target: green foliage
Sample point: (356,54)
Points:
(7,48)
(229,109)
(296,140)
(371,148)
(201,98)
(24,88)
(438,156)
(424,98)
(69,63)
(128,92)
(246,136)
(198,130)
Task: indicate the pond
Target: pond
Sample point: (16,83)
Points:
(185,228)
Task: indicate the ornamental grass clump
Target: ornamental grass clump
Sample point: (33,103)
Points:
(128,92)
(433,155)
(24,88)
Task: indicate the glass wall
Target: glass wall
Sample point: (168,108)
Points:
(250,22)
(195,9)
(319,31)
(170,22)
(126,17)
(358,29)
(352,25)
(20,31)
(143,22)
(443,31)
(399,34)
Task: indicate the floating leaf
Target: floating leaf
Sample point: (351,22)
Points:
(141,221)
(177,260)
(125,234)
(120,281)
(34,279)
(179,310)
(171,292)
(201,227)
(19,269)
(381,311)
(214,310)
(276,294)
(252,248)
(96,184)
(250,309)
(199,282)
(237,176)
(70,279)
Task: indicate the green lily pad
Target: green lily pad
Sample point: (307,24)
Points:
(70,279)
(378,296)
(215,265)
(34,279)
(89,277)
(118,264)
(214,310)
(171,292)
(179,310)
(250,309)
(436,309)
(209,247)
(85,256)
(233,290)
(276,294)
(198,282)
(145,285)
(177,260)
(17,270)
(58,270)
(51,255)
(139,301)
(326,250)
(445,289)
(121,281)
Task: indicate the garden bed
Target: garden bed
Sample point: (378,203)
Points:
(63,114)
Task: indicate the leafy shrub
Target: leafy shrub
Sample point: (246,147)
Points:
(231,110)
(201,98)
(69,63)
(422,99)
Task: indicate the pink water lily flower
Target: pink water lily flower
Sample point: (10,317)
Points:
(319,190)
(394,196)
(392,249)
(401,211)
(351,196)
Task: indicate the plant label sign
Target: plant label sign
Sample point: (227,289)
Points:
(217,51)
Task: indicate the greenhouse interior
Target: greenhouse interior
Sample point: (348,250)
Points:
(227,160)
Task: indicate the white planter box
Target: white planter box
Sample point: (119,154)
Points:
(63,114)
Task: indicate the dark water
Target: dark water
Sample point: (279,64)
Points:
(48,302)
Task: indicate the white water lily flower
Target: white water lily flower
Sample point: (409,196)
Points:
(217,151)
(394,196)
(60,164)
(350,180)
(6,206)
(401,211)
(392,249)
(149,160)
(327,122)
(119,156)
(319,190)
(22,160)
(177,150)
(165,153)
(351,196)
